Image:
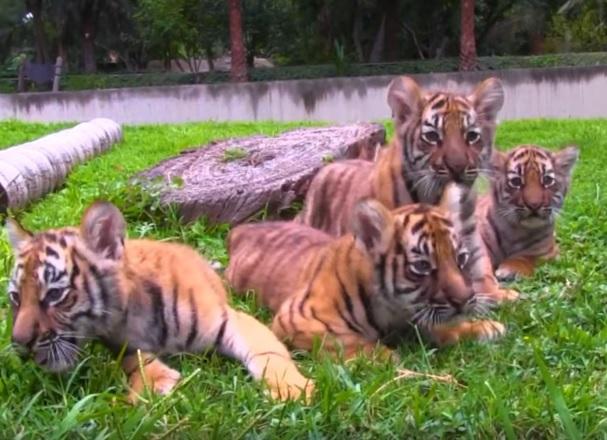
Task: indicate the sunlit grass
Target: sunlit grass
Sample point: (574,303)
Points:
(545,379)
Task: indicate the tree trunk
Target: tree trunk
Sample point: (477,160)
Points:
(230,181)
(210,61)
(378,44)
(356,33)
(35,7)
(88,38)
(392,29)
(31,170)
(238,72)
(467,46)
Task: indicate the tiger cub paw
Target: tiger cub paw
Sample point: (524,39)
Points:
(506,275)
(487,330)
(508,295)
(158,377)
(290,385)
(285,382)
(482,330)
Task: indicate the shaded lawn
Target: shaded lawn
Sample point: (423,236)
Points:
(546,378)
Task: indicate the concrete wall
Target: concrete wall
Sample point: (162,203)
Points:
(530,93)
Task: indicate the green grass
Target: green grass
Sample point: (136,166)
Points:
(545,379)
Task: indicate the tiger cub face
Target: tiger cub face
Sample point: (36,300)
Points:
(530,185)
(421,261)
(445,136)
(59,292)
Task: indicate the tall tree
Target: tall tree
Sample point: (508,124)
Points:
(238,71)
(34,7)
(467,42)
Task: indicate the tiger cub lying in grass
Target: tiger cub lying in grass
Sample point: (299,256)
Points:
(516,218)
(397,269)
(70,285)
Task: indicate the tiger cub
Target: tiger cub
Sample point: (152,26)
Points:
(517,216)
(396,269)
(440,138)
(70,285)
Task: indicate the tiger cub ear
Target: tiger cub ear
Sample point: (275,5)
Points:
(488,98)
(405,98)
(373,225)
(103,229)
(565,160)
(17,234)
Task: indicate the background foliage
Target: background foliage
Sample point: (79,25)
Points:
(126,35)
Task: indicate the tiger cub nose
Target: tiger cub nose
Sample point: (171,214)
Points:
(23,338)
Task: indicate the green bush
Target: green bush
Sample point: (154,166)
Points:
(339,69)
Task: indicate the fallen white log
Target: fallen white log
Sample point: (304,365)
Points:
(31,170)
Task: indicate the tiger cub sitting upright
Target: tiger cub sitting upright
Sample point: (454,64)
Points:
(517,216)
(439,138)
(397,269)
(154,298)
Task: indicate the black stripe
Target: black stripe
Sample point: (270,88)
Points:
(395,181)
(175,311)
(51,252)
(306,296)
(50,236)
(533,242)
(406,290)
(158,321)
(366,302)
(441,102)
(343,316)
(87,288)
(194,318)
(498,237)
(222,329)
(58,275)
(346,298)
(326,324)
(418,226)
(83,313)
(381,269)
(105,296)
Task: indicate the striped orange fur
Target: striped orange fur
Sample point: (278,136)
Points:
(397,269)
(154,298)
(517,217)
(440,138)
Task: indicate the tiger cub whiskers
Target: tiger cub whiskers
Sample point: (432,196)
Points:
(149,298)
(396,270)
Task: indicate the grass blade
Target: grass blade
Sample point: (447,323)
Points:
(557,398)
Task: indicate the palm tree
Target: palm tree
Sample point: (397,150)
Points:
(238,71)
(467,43)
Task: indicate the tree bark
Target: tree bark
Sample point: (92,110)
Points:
(467,46)
(31,170)
(238,72)
(35,7)
(392,29)
(229,181)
